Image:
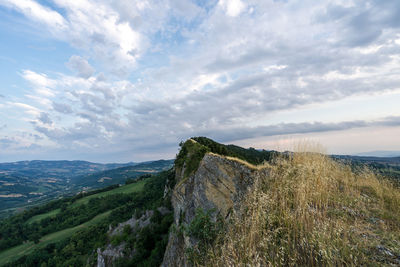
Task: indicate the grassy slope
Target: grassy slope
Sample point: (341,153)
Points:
(130,188)
(126,189)
(311,211)
(40,217)
(26,248)
(29,247)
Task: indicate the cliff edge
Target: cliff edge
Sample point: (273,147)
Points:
(215,188)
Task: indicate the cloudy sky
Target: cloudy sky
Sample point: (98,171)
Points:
(126,80)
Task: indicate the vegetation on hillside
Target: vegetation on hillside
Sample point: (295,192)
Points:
(193,150)
(305,210)
(24,185)
(77,245)
(313,211)
(250,155)
(34,223)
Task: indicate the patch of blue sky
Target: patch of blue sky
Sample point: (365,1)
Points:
(207,5)
(171,42)
(51,5)
(22,47)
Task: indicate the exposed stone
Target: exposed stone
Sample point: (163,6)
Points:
(142,222)
(218,184)
(107,256)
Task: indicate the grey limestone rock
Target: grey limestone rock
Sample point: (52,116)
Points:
(219,184)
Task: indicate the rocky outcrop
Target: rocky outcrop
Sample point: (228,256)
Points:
(218,184)
(110,253)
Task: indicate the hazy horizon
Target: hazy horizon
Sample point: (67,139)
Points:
(120,81)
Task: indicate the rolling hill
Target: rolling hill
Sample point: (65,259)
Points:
(219,205)
(29,183)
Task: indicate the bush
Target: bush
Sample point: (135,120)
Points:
(206,230)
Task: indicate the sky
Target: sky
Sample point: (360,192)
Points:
(123,80)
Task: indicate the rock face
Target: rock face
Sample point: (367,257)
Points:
(218,184)
(111,253)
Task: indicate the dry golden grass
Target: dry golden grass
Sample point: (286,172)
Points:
(309,210)
(243,162)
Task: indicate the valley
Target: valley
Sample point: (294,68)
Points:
(190,211)
(29,183)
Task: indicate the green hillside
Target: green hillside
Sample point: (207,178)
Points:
(29,247)
(39,217)
(32,183)
(126,189)
(119,175)
(58,225)
(305,209)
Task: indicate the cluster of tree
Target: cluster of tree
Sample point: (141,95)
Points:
(134,180)
(250,155)
(80,248)
(16,229)
(72,251)
(191,153)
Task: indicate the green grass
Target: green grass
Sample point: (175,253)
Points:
(40,217)
(28,247)
(126,189)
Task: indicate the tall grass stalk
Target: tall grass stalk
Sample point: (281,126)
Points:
(306,209)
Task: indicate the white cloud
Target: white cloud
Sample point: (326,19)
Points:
(31,110)
(190,70)
(39,13)
(40,82)
(96,27)
(232,7)
(80,65)
(92,26)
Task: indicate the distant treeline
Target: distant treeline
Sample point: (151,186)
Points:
(15,230)
(250,155)
(79,249)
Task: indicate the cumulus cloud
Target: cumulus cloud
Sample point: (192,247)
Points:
(232,7)
(360,24)
(172,69)
(41,83)
(80,65)
(94,27)
(45,118)
(62,108)
(39,13)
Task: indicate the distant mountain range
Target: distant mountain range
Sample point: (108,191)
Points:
(57,168)
(174,218)
(26,183)
(380,153)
